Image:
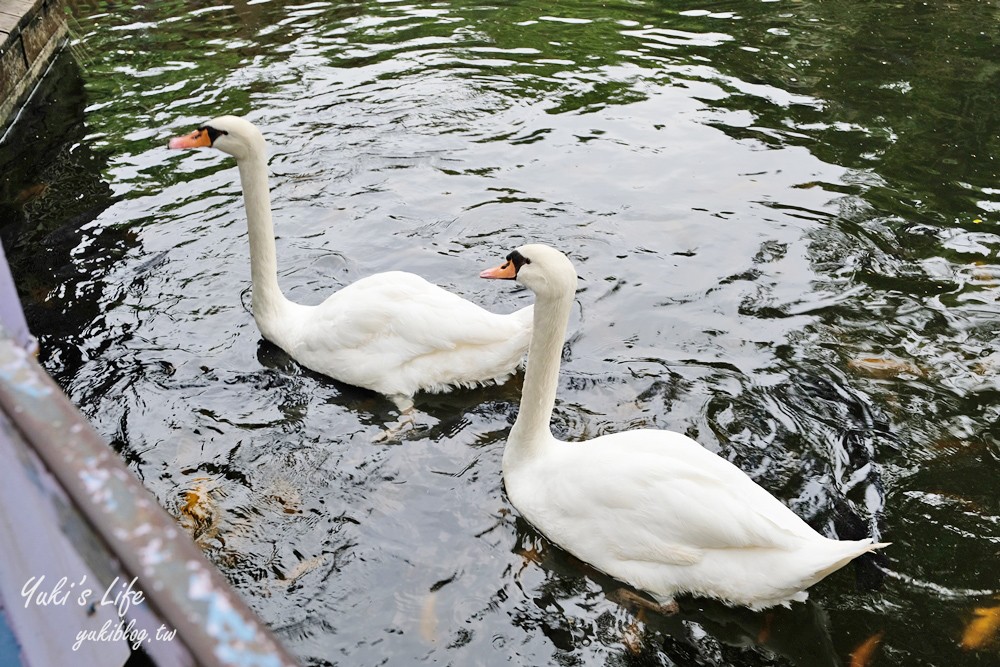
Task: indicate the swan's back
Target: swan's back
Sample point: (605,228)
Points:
(659,511)
(397,334)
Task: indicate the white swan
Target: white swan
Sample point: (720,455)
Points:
(393,332)
(652,508)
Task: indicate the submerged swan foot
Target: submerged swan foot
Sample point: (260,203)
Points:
(392,432)
(410,422)
(632,638)
(630,598)
(406,420)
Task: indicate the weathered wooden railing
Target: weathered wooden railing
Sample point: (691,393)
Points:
(91,567)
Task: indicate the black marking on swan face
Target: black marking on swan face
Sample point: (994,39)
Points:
(213,133)
(518,259)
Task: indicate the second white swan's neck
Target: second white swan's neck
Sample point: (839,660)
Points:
(531,430)
(268,301)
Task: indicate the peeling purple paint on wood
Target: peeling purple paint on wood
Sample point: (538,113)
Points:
(11,317)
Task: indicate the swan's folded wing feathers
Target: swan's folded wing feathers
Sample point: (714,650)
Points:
(396,333)
(420,317)
(650,505)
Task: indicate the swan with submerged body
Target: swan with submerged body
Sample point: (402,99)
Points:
(649,507)
(394,332)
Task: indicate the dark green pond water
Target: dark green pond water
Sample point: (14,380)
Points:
(786,218)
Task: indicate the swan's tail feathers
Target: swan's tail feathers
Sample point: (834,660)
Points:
(848,552)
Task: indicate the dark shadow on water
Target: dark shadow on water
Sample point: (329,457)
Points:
(857,497)
(53,187)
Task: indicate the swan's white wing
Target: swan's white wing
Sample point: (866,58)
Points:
(417,313)
(653,496)
(397,333)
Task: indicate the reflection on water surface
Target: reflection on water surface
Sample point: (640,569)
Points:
(785,220)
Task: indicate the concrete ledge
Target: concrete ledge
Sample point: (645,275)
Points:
(31,32)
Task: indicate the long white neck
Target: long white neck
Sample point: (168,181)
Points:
(268,302)
(531,430)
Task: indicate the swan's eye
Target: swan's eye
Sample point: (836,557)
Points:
(518,259)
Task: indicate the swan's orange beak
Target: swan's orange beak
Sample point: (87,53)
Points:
(506,271)
(197,139)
